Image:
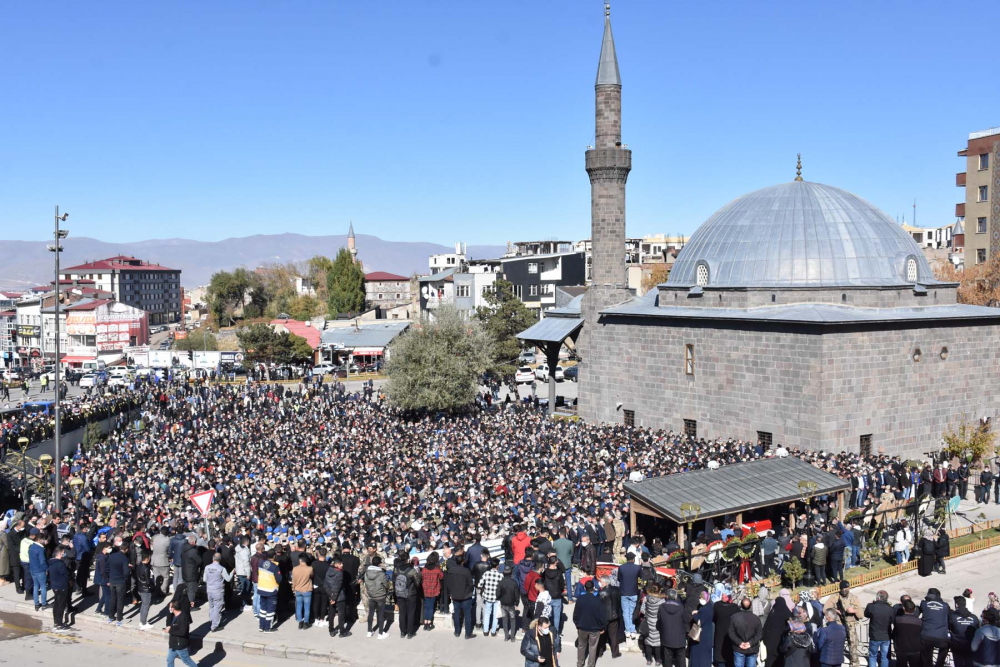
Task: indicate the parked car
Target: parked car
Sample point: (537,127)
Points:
(571,373)
(523,375)
(90,380)
(527,357)
(542,373)
(118,381)
(323,369)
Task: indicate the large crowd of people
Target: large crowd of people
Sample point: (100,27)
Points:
(327,502)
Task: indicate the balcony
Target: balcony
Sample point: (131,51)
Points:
(960,180)
(960,210)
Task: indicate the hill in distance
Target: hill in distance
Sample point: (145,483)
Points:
(25,264)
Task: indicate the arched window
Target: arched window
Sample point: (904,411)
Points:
(702,277)
(911,270)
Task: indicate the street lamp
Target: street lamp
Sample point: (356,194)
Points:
(23,443)
(105,507)
(55,249)
(76,488)
(807,488)
(45,462)
(690,512)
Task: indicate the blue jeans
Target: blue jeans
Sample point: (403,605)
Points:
(874,648)
(741,660)
(303,603)
(245,591)
(38,585)
(181,653)
(491,616)
(462,607)
(569,584)
(628,608)
(556,614)
(429,608)
(256,601)
(104,603)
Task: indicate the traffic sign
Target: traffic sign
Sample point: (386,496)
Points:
(203,500)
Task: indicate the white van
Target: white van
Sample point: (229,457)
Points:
(94,366)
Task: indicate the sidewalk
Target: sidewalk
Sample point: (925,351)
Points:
(239,634)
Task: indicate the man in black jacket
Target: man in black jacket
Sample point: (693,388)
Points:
(935,614)
(508,595)
(461,588)
(335,586)
(745,632)
(320,603)
(672,622)
(962,624)
(191,567)
(611,598)
(906,632)
(180,635)
(352,566)
(881,616)
(590,620)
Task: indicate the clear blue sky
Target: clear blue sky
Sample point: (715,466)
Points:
(467,120)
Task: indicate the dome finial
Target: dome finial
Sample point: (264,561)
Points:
(798,167)
(607,9)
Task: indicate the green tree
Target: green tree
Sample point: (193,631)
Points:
(503,318)
(227,295)
(199,339)
(317,269)
(262,344)
(967,441)
(345,284)
(436,365)
(299,350)
(303,307)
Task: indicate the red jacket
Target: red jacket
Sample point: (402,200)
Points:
(432,581)
(520,542)
(529,585)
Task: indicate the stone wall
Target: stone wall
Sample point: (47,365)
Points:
(811,387)
(894,297)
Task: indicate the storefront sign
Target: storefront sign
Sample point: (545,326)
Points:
(28,331)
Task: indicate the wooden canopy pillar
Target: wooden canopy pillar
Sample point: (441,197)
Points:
(840,505)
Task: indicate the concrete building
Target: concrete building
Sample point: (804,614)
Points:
(536,277)
(99,329)
(135,282)
(798,314)
(980,212)
(436,290)
(639,252)
(448,260)
(550,247)
(472,288)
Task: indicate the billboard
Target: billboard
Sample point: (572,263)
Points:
(119,326)
(81,323)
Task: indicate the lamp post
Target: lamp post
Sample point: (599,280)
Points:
(55,249)
(105,507)
(690,512)
(807,488)
(23,443)
(45,461)
(75,488)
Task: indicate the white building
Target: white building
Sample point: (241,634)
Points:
(448,260)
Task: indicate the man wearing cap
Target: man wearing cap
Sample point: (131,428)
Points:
(848,609)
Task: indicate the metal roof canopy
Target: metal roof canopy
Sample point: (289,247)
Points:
(551,330)
(733,488)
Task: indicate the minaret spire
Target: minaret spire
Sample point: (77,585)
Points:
(798,168)
(607,68)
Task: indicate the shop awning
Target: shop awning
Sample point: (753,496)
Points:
(367,351)
(68,359)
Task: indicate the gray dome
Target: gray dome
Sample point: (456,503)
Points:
(800,234)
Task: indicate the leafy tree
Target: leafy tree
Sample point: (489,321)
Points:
(303,307)
(317,269)
(228,293)
(978,284)
(199,339)
(658,274)
(970,442)
(299,350)
(503,318)
(794,571)
(345,284)
(262,344)
(436,365)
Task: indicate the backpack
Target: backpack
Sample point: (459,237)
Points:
(400,585)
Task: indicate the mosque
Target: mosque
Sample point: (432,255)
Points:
(798,314)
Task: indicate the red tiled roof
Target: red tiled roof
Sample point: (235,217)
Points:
(119,263)
(383,277)
(310,333)
(8,313)
(41,288)
(11,295)
(94,290)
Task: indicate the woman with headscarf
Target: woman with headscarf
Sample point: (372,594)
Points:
(651,613)
(776,626)
(812,612)
(797,647)
(702,650)
(927,551)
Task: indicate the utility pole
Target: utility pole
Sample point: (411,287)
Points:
(58,236)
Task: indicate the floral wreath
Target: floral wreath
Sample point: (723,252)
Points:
(714,551)
(731,549)
(677,556)
(749,546)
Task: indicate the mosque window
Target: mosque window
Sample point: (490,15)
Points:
(691,428)
(702,277)
(944,353)
(917,355)
(866,446)
(629,417)
(911,270)
(689,359)
(764,439)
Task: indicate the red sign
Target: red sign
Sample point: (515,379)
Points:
(203,500)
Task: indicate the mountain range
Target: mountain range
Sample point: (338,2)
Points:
(25,264)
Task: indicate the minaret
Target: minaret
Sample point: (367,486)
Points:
(351,247)
(608,165)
